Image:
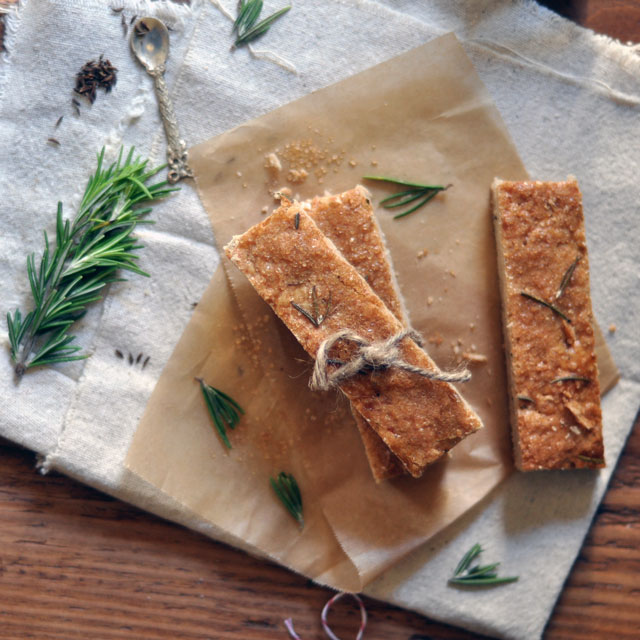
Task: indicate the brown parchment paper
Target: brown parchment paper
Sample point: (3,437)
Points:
(424,116)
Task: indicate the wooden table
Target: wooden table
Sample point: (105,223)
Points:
(76,564)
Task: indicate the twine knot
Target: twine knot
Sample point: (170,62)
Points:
(371,356)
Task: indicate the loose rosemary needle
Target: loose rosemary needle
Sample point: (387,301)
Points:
(224,410)
(287,490)
(477,575)
(87,254)
(566,278)
(416,193)
(544,303)
(245,24)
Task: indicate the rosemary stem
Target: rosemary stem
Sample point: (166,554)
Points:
(29,339)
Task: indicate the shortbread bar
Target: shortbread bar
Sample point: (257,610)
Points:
(347,219)
(547,318)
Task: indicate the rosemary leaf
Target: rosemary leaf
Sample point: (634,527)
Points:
(288,492)
(314,316)
(404,183)
(429,196)
(305,313)
(553,308)
(401,199)
(248,13)
(225,412)
(422,193)
(592,460)
(245,26)
(483,582)
(486,575)
(571,379)
(467,559)
(478,571)
(89,251)
(566,278)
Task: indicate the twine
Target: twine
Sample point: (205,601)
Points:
(288,623)
(371,356)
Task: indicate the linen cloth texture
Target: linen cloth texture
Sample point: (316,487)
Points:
(551,80)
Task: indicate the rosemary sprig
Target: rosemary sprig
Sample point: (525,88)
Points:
(566,278)
(287,490)
(549,305)
(315,317)
(86,256)
(415,192)
(477,575)
(245,24)
(224,410)
(592,460)
(572,379)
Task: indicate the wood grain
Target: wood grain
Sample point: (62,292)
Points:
(616,18)
(76,564)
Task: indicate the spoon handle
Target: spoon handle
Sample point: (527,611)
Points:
(176,147)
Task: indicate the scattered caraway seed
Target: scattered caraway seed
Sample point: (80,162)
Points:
(591,460)
(58,122)
(130,358)
(119,354)
(54,142)
(141,28)
(94,75)
(146,361)
(477,576)
(288,492)
(224,410)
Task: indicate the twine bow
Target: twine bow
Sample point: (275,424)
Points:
(371,356)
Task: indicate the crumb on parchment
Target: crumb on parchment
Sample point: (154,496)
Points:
(473,358)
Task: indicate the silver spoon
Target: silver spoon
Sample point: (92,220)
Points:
(150,44)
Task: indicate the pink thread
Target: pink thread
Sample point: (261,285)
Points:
(288,623)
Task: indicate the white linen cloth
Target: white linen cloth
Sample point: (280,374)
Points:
(570,99)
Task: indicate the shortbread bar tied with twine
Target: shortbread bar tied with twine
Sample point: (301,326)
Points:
(372,356)
(410,405)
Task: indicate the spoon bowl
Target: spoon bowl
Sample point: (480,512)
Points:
(150,43)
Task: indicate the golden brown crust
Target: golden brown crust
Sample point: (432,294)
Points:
(348,221)
(285,257)
(556,418)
